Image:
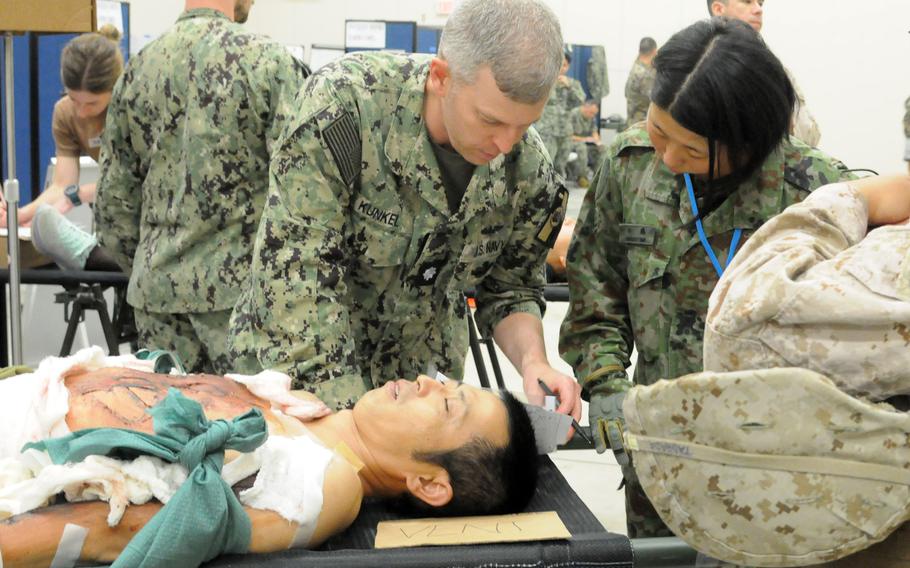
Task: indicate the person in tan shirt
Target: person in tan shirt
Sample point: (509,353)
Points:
(89,66)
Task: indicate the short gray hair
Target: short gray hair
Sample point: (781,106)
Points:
(520,40)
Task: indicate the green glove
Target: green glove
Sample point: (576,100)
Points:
(605,417)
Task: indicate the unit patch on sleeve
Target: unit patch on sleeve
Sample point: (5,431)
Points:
(549,230)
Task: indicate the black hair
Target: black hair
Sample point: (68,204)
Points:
(718,79)
(646,45)
(486,479)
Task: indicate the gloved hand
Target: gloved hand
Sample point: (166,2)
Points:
(605,416)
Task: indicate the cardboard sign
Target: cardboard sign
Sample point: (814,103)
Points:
(52,16)
(471,530)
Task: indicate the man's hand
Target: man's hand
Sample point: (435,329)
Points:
(563,386)
(563,80)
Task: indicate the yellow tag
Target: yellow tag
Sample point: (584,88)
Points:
(631,442)
(348,454)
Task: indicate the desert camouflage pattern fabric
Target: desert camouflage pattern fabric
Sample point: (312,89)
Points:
(774,467)
(360,267)
(812,289)
(637,270)
(555,124)
(184,163)
(638,92)
(804,126)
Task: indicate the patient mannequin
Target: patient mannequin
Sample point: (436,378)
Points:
(398,436)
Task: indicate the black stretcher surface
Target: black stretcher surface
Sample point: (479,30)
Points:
(590,546)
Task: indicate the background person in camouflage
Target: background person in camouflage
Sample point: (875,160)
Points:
(585,143)
(803,125)
(907,131)
(184,174)
(637,270)
(640,81)
(555,124)
(401,182)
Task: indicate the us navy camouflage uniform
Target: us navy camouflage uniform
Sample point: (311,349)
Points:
(638,274)
(638,92)
(360,267)
(596,74)
(184,169)
(812,289)
(555,124)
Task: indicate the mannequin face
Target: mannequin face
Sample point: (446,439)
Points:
(407,417)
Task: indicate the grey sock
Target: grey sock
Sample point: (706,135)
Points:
(58,238)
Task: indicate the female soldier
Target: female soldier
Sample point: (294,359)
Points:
(89,67)
(672,202)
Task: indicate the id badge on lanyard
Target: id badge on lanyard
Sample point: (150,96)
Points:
(704,238)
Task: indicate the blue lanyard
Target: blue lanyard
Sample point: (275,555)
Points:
(704,238)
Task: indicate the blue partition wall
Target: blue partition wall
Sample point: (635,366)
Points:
(428,39)
(579,66)
(37,89)
(22,95)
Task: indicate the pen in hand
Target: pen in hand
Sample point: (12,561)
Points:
(575,424)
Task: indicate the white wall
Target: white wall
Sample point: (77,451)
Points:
(851,58)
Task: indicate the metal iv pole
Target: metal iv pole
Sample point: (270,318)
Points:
(11,194)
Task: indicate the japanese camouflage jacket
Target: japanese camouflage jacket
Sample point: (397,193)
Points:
(637,271)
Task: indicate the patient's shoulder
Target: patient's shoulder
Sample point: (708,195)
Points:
(342,494)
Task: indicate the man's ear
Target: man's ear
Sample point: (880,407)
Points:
(433,489)
(717,8)
(440,77)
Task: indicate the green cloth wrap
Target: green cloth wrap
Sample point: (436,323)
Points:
(204,518)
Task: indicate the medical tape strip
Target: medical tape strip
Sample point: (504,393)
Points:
(70,547)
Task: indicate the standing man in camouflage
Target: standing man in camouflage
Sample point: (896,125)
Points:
(752,12)
(185,173)
(555,124)
(907,131)
(640,81)
(401,182)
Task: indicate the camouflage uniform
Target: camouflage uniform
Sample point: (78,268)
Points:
(596,74)
(811,289)
(907,129)
(360,267)
(555,124)
(638,92)
(637,271)
(804,125)
(184,171)
(589,155)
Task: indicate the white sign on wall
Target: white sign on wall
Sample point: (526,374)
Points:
(110,12)
(364,35)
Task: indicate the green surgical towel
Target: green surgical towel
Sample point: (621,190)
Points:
(204,518)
